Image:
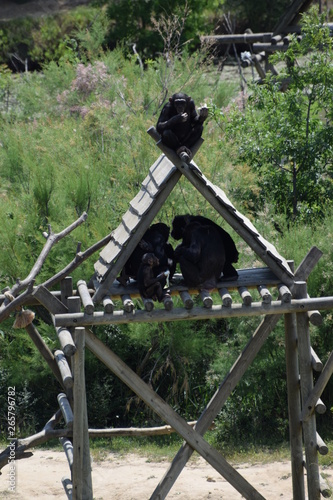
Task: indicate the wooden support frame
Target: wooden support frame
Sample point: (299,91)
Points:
(293,302)
(191,436)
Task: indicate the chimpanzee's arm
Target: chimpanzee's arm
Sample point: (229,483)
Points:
(168,118)
(191,253)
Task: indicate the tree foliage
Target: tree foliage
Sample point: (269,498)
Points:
(286,135)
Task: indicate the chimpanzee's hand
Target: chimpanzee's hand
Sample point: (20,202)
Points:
(181,118)
(203,113)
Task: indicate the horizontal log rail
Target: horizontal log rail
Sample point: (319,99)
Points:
(216,311)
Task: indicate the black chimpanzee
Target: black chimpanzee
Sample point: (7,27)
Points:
(180,125)
(226,245)
(155,240)
(151,286)
(201,255)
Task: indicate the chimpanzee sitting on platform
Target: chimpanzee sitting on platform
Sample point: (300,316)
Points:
(201,256)
(180,126)
(155,240)
(205,252)
(151,286)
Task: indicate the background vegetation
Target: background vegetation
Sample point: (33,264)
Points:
(73,138)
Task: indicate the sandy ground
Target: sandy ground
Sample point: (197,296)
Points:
(132,477)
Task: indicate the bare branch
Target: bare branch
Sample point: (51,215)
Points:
(21,445)
(52,239)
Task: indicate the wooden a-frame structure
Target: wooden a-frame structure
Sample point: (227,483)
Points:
(74,311)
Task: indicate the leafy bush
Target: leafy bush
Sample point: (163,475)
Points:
(286,136)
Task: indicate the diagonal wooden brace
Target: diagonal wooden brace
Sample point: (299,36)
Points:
(195,440)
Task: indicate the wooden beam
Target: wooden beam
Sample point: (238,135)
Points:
(180,314)
(316,392)
(82,483)
(294,407)
(45,297)
(44,351)
(306,380)
(244,38)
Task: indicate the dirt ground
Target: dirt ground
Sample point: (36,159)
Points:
(131,477)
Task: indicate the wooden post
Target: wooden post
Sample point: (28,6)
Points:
(87,302)
(66,287)
(245,295)
(64,369)
(66,341)
(294,407)
(225,296)
(309,426)
(82,483)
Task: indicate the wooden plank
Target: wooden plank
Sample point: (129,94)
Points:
(66,409)
(316,364)
(68,449)
(179,314)
(68,487)
(157,404)
(308,263)
(225,296)
(141,203)
(108,304)
(265,294)
(245,295)
(66,289)
(84,293)
(121,234)
(320,407)
(110,273)
(45,297)
(320,385)
(130,222)
(321,446)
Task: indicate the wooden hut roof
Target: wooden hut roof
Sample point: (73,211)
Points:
(155,189)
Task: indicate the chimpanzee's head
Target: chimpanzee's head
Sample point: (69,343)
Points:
(180,101)
(178,225)
(150,259)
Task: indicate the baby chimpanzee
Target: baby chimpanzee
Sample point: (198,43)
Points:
(180,126)
(151,287)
